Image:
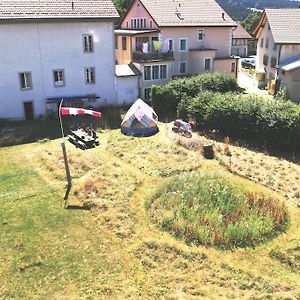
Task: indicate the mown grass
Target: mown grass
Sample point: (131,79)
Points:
(212,210)
(114,251)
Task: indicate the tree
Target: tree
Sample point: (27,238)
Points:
(251,22)
(122,6)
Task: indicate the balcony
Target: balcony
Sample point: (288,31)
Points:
(151,57)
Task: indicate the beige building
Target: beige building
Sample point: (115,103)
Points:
(167,38)
(278,51)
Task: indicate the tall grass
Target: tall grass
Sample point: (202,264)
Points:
(211,210)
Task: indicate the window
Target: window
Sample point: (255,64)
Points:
(151,24)
(262,43)
(163,71)
(127,25)
(265,59)
(207,64)
(267,43)
(182,67)
(183,45)
(232,67)
(137,23)
(131,23)
(25,80)
(116,42)
(147,73)
(124,43)
(139,41)
(200,35)
(273,62)
(89,75)
(59,78)
(275,47)
(155,72)
(147,92)
(171,45)
(88,43)
(134,23)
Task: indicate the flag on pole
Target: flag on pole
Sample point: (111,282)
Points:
(67,111)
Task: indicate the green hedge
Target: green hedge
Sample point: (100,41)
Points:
(165,99)
(272,121)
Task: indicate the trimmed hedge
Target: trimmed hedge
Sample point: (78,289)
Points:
(272,121)
(165,99)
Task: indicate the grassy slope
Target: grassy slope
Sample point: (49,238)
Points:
(115,251)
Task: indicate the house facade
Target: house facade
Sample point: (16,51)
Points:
(50,51)
(278,51)
(241,41)
(167,38)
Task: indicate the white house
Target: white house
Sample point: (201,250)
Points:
(278,50)
(55,49)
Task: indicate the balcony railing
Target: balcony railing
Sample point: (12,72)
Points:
(154,56)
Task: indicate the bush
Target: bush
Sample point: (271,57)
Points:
(165,99)
(212,210)
(266,120)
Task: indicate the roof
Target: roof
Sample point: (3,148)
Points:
(127,70)
(134,32)
(240,32)
(168,13)
(290,63)
(56,9)
(284,24)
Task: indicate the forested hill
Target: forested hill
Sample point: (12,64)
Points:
(240,9)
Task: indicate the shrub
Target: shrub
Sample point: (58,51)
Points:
(165,99)
(266,120)
(212,210)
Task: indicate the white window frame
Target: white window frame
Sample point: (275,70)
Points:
(158,72)
(160,68)
(202,33)
(90,72)
(186,44)
(182,62)
(146,89)
(27,80)
(173,43)
(88,43)
(204,60)
(61,74)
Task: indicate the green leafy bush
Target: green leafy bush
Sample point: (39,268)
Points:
(165,99)
(274,122)
(211,210)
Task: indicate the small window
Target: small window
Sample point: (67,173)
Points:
(273,62)
(269,28)
(147,94)
(262,43)
(182,68)
(116,42)
(275,47)
(183,45)
(89,75)
(200,35)
(25,80)
(265,59)
(207,64)
(155,72)
(171,45)
(124,43)
(151,24)
(134,23)
(163,71)
(88,43)
(267,43)
(232,67)
(131,23)
(59,78)
(147,73)
(127,24)
(138,23)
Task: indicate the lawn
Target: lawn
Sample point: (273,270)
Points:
(115,250)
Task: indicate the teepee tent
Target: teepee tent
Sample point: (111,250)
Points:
(140,120)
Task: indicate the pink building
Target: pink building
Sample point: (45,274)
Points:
(167,38)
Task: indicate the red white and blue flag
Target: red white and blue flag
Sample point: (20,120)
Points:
(67,111)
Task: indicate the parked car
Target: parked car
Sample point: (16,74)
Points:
(248,63)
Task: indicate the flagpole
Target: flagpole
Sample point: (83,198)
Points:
(63,147)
